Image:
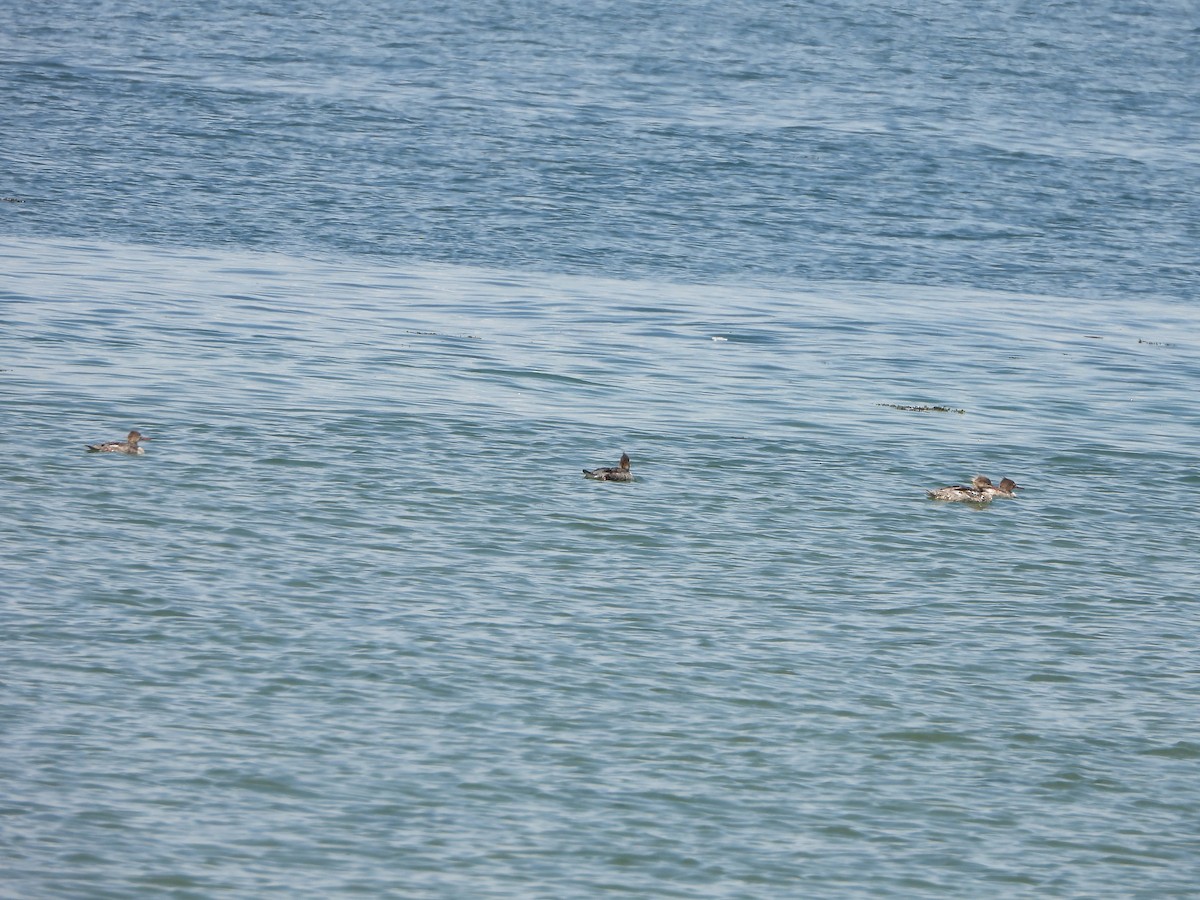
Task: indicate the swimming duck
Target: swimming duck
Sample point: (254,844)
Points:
(129,445)
(981,491)
(620,473)
(1006,488)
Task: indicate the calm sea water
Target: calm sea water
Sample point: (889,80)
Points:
(378,282)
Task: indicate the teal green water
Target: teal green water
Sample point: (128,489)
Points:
(355,623)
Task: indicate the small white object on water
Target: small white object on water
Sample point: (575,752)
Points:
(720,339)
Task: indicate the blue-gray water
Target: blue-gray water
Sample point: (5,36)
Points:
(379,281)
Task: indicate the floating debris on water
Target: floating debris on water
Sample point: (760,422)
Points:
(923,408)
(472,337)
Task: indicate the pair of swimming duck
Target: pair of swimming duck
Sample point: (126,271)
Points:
(132,441)
(981,490)
(131,445)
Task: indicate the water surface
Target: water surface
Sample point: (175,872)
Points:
(380,283)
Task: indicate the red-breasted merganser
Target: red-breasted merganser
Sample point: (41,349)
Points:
(620,473)
(1006,488)
(981,491)
(129,445)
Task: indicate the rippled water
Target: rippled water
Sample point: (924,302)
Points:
(356,622)
(379,285)
(1048,147)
